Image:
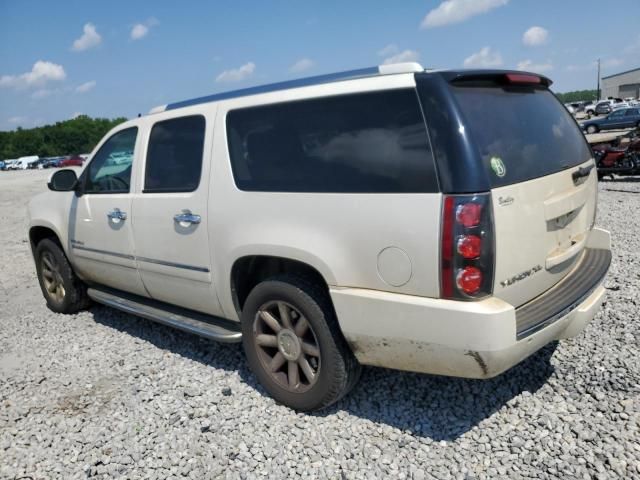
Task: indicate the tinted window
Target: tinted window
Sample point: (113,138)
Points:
(174,156)
(110,169)
(528,129)
(632,112)
(364,143)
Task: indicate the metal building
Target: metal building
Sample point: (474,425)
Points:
(622,85)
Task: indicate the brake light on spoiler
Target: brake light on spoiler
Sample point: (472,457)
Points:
(523,78)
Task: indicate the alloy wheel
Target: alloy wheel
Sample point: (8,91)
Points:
(51,277)
(287,346)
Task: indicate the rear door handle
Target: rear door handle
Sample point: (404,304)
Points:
(186,217)
(117,214)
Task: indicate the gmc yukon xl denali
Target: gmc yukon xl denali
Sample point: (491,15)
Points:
(434,221)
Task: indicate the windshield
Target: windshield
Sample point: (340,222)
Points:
(521,133)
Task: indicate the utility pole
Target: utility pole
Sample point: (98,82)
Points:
(598,79)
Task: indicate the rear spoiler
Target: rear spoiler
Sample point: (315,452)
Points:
(499,77)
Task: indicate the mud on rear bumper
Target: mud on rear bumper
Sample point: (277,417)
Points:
(468,339)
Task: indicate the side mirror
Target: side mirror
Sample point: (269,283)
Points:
(63,181)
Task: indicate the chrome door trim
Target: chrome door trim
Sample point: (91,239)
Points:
(76,246)
(171,264)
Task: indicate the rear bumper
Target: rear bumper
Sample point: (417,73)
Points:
(463,339)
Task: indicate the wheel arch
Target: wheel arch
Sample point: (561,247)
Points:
(249,270)
(39,232)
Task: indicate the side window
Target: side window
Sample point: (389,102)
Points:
(373,142)
(174,156)
(110,169)
(632,112)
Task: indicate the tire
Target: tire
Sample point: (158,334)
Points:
(590,112)
(592,129)
(336,370)
(61,288)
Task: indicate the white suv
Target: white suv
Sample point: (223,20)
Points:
(378,216)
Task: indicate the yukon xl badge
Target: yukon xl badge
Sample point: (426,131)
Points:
(520,276)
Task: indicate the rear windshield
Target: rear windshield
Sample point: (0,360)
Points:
(521,133)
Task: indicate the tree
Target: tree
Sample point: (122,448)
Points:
(70,137)
(578,96)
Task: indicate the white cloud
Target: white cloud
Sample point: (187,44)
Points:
(89,39)
(484,58)
(85,87)
(138,31)
(41,73)
(237,74)
(302,65)
(535,37)
(404,56)
(455,11)
(390,49)
(534,67)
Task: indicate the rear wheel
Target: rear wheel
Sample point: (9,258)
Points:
(294,345)
(62,289)
(592,129)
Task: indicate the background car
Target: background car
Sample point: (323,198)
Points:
(73,161)
(620,118)
(603,108)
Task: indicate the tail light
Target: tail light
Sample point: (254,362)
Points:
(467,247)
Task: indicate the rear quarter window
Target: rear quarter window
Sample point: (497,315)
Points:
(524,129)
(372,142)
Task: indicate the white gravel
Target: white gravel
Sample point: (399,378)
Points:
(105,394)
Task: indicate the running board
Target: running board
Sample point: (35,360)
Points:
(200,324)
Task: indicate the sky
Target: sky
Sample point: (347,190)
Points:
(121,58)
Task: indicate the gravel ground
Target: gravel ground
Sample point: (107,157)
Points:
(105,394)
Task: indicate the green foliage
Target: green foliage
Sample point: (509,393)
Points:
(70,137)
(578,96)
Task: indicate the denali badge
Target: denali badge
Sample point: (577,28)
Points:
(520,276)
(504,201)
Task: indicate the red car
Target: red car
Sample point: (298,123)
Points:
(75,161)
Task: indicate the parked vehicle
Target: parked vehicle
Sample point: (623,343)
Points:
(53,162)
(10,164)
(620,157)
(73,161)
(24,163)
(312,221)
(603,108)
(1,165)
(590,108)
(622,118)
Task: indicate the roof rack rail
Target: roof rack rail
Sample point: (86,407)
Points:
(390,69)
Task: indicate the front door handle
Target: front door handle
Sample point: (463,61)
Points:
(186,218)
(117,214)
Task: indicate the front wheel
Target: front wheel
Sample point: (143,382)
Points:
(592,129)
(62,289)
(293,343)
